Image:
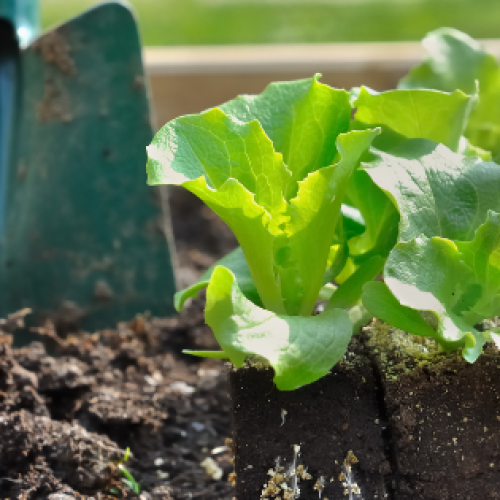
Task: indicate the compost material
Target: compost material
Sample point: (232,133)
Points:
(70,407)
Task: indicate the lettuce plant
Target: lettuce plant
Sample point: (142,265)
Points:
(275,168)
(439,280)
(443,276)
(319,185)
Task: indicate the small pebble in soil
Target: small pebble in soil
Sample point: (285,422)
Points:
(180,387)
(212,469)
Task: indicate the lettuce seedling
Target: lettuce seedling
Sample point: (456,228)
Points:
(446,260)
(439,278)
(275,168)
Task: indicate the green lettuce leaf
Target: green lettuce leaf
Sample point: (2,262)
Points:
(428,274)
(458,282)
(234,261)
(302,118)
(414,114)
(234,169)
(284,215)
(301,350)
(456,61)
(437,192)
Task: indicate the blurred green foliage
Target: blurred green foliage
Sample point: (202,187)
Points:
(206,22)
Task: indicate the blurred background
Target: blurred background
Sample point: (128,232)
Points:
(200,53)
(208,22)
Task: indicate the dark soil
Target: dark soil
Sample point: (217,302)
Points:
(446,421)
(327,419)
(423,425)
(70,407)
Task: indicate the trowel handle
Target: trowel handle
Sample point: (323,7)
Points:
(9,53)
(24,16)
(19,25)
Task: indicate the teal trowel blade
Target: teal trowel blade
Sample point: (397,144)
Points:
(83,233)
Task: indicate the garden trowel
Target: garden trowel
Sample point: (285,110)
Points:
(83,239)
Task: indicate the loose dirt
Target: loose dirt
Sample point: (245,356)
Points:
(70,407)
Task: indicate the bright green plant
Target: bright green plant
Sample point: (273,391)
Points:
(314,195)
(446,261)
(275,168)
(128,479)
